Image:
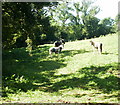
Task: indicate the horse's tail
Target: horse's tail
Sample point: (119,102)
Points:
(101,48)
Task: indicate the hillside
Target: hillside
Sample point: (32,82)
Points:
(77,75)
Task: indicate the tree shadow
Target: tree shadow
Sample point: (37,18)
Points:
(108,83)
(21,71)
(91,80)
(106,53)
(73,52)
(41,52)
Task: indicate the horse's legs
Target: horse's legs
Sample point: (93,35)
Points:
(100,49)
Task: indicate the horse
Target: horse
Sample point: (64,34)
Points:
(97,45)
(56,50)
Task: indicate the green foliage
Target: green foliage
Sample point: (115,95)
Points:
(81,19)
(22,20)
(29,45)
(43,36)
(107,26)
(46,22)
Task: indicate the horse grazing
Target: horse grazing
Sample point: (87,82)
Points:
(58,43)
(56,50)
(97,45)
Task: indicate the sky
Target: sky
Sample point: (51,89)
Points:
(108,8)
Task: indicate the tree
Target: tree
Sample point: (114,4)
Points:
(23,20)
(60,16)
(83,21)
(106,26)
(90,22)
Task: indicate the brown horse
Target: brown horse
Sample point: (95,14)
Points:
(97,45)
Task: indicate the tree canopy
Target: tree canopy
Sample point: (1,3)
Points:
(43,22)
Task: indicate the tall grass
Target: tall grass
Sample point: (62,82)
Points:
(77,75)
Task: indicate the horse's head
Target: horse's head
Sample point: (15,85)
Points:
(91,42)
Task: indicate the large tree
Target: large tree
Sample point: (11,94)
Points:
(106,26)
(22,20)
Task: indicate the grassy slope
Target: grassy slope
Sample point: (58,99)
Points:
(76,75)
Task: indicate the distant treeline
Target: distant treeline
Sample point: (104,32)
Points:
(27,24)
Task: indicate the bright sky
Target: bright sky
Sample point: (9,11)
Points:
(109,8)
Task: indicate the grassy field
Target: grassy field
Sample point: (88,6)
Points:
(77,75)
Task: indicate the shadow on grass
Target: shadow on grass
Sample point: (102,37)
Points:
(72,52)
(21,71)
(106,53)
(91,79)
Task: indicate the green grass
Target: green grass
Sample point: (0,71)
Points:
(77,75)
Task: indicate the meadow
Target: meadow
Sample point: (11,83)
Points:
(76,75)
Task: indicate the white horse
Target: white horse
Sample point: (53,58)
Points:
(56,50)
(97,45)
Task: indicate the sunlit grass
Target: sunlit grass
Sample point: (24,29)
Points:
(77,75)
